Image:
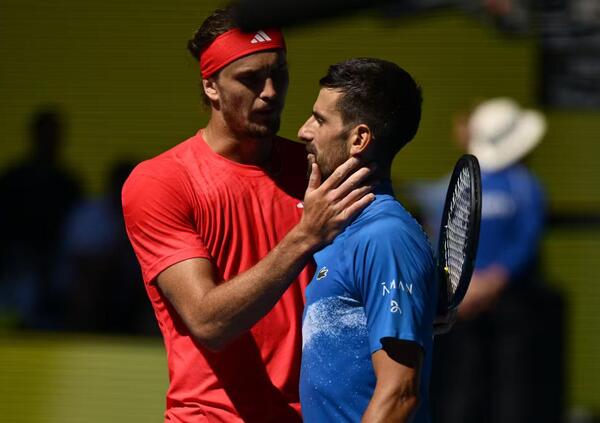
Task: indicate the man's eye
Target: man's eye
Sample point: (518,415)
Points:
(249,79)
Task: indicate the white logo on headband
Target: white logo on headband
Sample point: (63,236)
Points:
(260,37)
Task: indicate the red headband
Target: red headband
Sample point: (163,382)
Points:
(234,44)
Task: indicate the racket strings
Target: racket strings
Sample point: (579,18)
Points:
(456,234)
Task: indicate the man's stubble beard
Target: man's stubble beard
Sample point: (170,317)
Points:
(327,167)
(247,128)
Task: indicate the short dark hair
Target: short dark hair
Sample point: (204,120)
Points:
(379,94)
(219,22)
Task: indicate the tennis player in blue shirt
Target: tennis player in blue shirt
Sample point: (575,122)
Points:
(368,322)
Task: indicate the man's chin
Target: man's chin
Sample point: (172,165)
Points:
(261,130)
(325,171)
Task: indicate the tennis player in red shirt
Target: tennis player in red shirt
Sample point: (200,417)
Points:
(223,227)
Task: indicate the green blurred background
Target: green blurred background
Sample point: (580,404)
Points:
(129,89)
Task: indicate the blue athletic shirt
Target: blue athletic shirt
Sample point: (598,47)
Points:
(375,280)
(512,220)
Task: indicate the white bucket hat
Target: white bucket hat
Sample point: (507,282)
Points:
(501,133)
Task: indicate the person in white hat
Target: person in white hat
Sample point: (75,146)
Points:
(488,367)
(501,134)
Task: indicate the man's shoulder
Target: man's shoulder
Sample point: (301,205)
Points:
(168,164)
(387,224)
(167,170)
(385,217)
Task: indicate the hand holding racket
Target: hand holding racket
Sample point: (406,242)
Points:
(459,234)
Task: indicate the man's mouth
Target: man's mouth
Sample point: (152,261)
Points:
(269,110)
(266,111)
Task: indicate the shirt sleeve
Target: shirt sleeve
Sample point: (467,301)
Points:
(393,274)
(159,220)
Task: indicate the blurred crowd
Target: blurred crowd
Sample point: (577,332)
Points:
(65,261)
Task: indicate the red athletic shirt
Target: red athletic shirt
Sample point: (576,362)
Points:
(191,202)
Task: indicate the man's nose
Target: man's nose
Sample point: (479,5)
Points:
(269,90)
(304,134)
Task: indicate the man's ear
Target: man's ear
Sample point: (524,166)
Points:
(209,86)
(360,139)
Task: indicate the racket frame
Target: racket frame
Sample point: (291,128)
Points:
(444,303)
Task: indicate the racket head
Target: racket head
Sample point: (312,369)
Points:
(459,233)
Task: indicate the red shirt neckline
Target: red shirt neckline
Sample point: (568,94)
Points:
(230,165)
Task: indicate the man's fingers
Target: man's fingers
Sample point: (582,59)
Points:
(353,181)
(358,206)
(328,208)
(314,180)
(355,195)
(341,173)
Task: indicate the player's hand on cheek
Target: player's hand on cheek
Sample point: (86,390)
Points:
(329,206)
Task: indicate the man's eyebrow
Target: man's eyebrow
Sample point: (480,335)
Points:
(318,115)
(247,71)
(255,69)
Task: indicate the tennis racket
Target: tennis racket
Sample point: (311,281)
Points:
(459,233)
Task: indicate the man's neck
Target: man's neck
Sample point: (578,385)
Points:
(246,150)
(382,174)
(383,170)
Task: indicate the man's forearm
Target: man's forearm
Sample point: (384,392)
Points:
(393,407)
(234,306)
(396,395)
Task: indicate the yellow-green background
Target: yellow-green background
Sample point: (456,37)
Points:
(122,75)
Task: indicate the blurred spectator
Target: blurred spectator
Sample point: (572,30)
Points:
(103,283)
(36,195)
(502,362)
(513,209)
